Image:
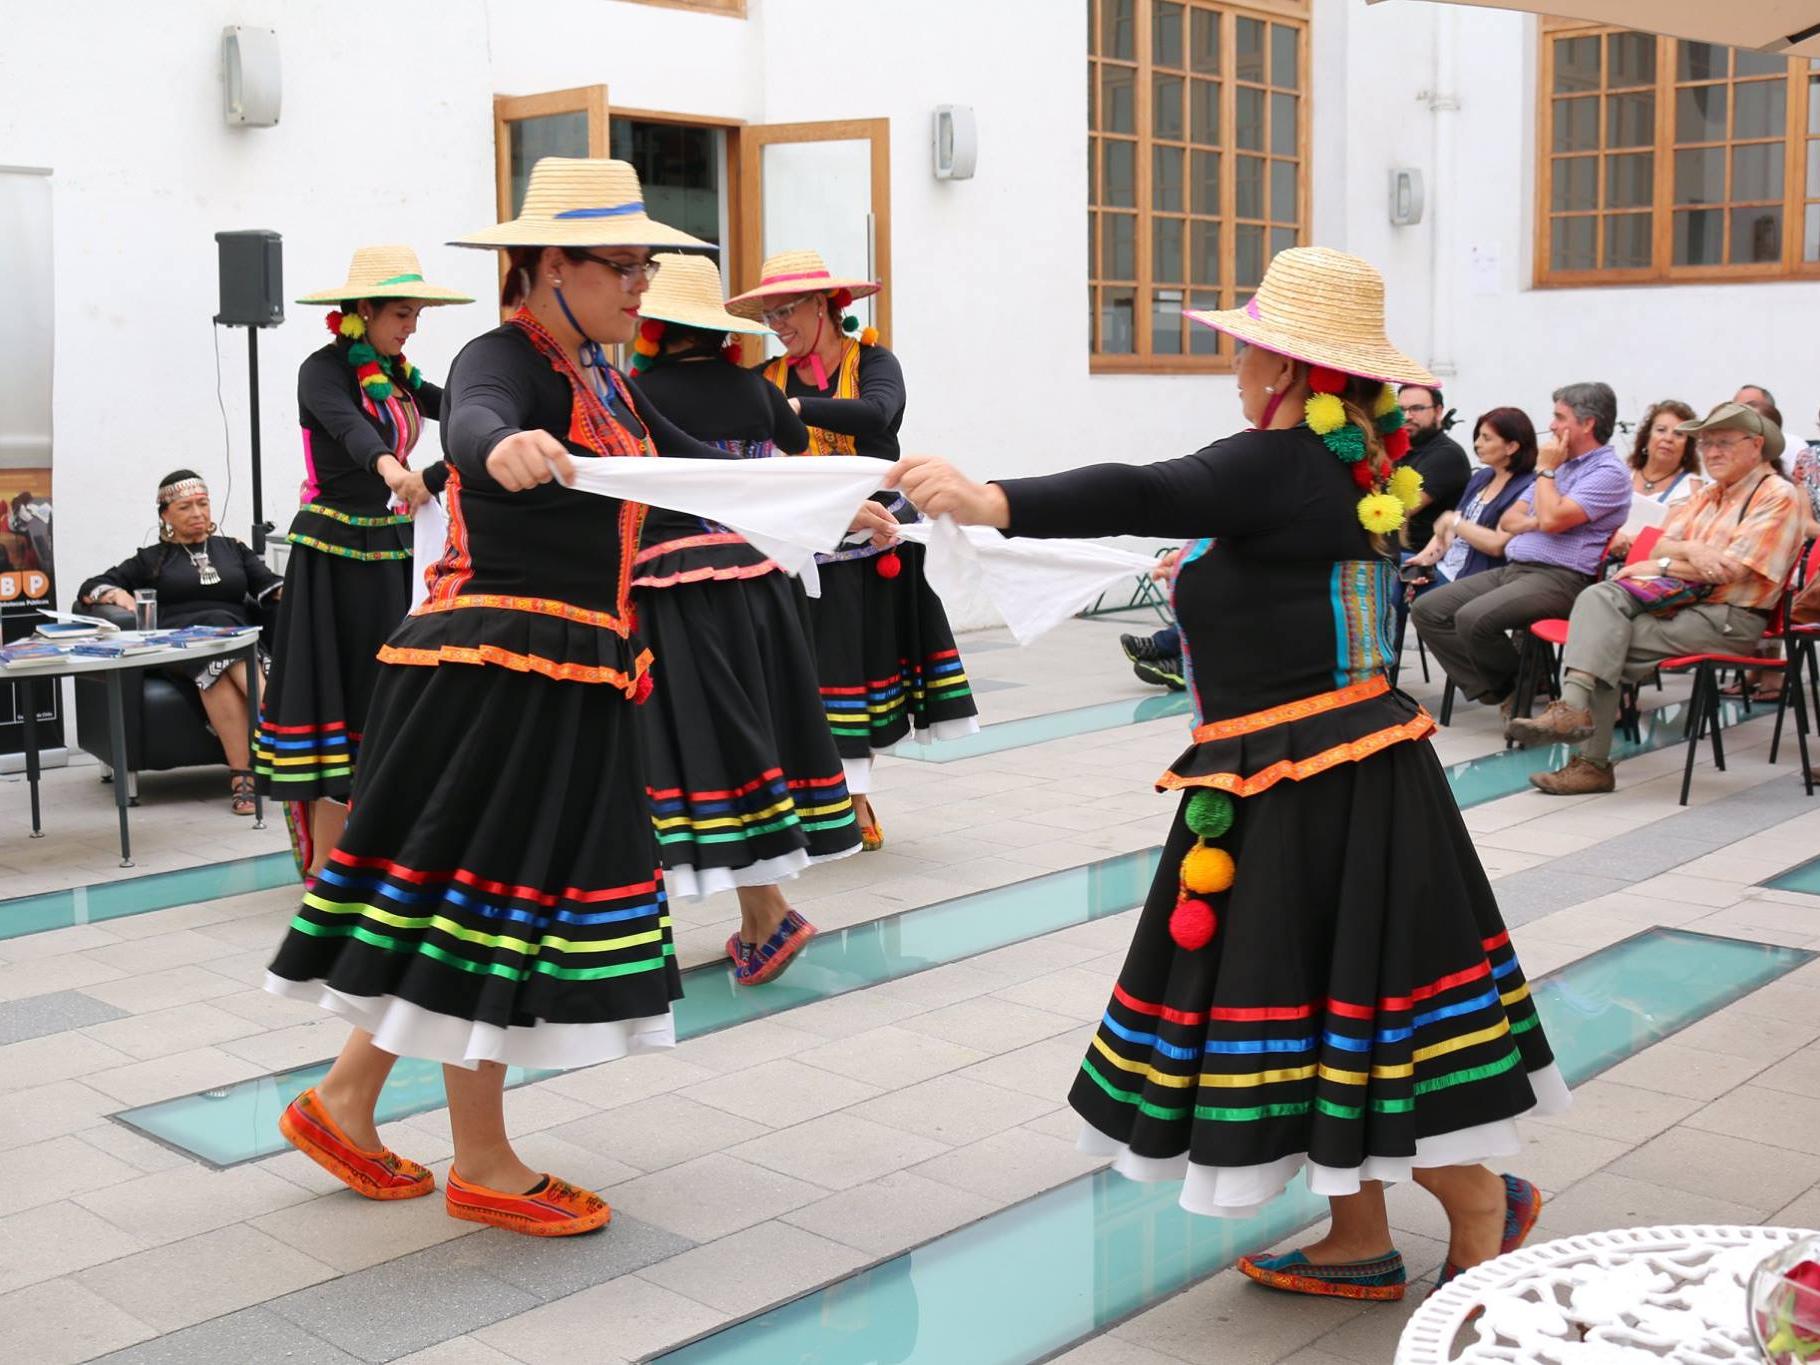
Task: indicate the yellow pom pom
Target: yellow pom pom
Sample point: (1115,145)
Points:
(868,336)
(1325,413)
(1387,401)
(1206,870)
(1380,513)
(1406,487)
(352,326)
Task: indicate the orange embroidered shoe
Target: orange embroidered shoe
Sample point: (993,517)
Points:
(381,1174)
(552,1208)
(871,838)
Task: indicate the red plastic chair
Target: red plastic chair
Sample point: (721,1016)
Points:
(1799,648)
(1539,656)
(1703,717)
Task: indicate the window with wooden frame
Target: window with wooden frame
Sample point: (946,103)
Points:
(1665,160)
(1197,169)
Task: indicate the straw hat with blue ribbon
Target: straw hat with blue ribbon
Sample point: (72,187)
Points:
(386,272)
(580,202)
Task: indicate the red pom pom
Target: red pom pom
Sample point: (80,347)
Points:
(1191,924)
(843,298)
(651,329)
(641,690)
(1323,380)
(334,321)
(1361,473)
(732,352)
(888,565)
(1396,445)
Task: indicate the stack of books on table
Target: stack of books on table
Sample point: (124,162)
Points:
(32,654)
(66,627)
(121,644)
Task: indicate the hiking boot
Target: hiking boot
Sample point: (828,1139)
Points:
(1580,777)
(1163,673)
(1142,649)
(1559,723)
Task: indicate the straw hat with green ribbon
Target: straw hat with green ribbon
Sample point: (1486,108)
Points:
(688,290)
(793,273)
(581,202)
(386,272)
(1322,307)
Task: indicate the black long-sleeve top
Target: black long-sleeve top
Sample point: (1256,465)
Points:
(871,418)
(1281,596)
(346,503)
(744,416)
(538,579)
(170,571)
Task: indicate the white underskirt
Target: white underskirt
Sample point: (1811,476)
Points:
(407,1030)
(688,883)
(947,729)
(1240,1191)
(858,772)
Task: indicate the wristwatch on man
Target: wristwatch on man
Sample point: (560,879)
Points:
(1545,473)
(1663,564)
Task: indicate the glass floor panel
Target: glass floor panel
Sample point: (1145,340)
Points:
(1806,878)
(1070,1263)
(1019,734)
(138,895)
(236,1123)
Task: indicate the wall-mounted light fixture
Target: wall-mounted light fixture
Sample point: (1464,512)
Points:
(250,76)
(1405,196)
(957,142)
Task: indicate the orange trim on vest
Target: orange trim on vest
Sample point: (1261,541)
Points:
(522,663)
(1319,704)
(1296,770)
(542,606)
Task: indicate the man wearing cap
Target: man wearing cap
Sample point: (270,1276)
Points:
(1557,542)
(1737,537)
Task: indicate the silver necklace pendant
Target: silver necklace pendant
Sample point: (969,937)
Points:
(206,573)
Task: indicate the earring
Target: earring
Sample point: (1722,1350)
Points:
(1270,388)
(213,528)
(164,529)
(555,283)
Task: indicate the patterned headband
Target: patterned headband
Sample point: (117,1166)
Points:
(183,488)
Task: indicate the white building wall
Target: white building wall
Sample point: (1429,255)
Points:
(387,135)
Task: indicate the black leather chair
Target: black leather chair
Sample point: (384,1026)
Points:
(166,726)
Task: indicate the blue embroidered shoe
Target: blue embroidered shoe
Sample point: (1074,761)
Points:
(764,962)
(1522,1206)
(1381,1279)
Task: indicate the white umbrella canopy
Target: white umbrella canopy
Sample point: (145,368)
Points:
(1787,27)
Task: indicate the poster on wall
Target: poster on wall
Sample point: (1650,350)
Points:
(27,568)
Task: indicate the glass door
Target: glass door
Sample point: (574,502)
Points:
(823,187)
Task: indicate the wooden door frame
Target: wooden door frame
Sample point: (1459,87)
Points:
(750,230)
(581,99)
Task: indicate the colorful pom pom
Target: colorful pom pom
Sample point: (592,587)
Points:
(334,320)
(1362,475)
(1208,870)
(1387,422)
(1191,924)
(352,326)
(1396,445)
(888,565)
(868,336)
(1387,399)
(360,353)
(645,346)
(849,323)
(1380,513)
(1325,414)
(651,329)
(1348,443)
(1210,813)
(642,689)
(842,298)
(1405,485)
(732,351)
(1324,380)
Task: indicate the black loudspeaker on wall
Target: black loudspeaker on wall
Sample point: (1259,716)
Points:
(252,278)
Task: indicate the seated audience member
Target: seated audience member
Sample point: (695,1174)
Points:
(202,579)
(1732,545)
(1157,659)
(1467,540)
(1444,468)
(1557,539)
(1664,465)
(1805,475)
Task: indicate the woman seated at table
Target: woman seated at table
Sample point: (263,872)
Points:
(201,579)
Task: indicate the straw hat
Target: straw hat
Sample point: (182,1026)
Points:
(1322,307)
(385,272)
(578,202)
(688,290)
(791,273)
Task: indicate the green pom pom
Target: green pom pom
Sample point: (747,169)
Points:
(415,378)
(360,353)
(1391,421)
(1210,813)
(1348,443)
(849,323)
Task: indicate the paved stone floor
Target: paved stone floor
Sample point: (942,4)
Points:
(758,1162)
